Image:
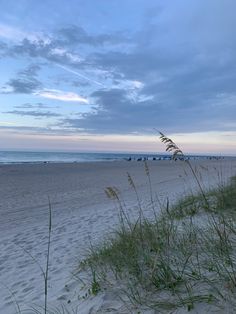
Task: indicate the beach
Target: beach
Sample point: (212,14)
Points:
(81,214)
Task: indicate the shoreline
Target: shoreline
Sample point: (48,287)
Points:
(16,158)
(141,159)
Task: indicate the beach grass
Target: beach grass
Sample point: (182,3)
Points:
(184,257)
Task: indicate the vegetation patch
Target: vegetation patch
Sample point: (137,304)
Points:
(174,262)
(184,258)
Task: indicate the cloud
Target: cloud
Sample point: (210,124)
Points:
(36,45)
(56,46)
(63,46)
(30,71)
(38,114)
(61,95)
(80,75)
(25,129)
(117,113)
(48,130)
(25,82)
(45,49)
(22,86)
(63,49)
(33,106)
(3,49)
(184,61)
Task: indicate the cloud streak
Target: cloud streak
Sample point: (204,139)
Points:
(81,75)
(36,114)
(33,106)
(61,95)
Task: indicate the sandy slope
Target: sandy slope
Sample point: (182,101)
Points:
(81,213)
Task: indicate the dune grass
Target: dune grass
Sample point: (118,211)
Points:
(222,199)
(183,258)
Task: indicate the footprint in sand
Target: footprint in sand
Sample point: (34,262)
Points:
(27,289)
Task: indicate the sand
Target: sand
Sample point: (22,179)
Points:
(81,214)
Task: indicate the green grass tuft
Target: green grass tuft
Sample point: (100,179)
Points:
(174,261)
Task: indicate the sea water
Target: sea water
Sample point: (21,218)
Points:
(40,157)
(11,157)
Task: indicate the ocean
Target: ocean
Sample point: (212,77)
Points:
(16,157)
(11,157)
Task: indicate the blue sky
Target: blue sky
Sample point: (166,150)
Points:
(100,75)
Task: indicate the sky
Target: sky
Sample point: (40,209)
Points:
(105,75)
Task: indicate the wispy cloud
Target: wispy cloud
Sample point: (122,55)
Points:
(61,95)
(80,75)
(38,105)
(47,130)
(34,113)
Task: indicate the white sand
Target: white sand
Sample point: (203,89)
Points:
(81,213)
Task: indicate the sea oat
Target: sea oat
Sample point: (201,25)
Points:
(177,152)
(172,147)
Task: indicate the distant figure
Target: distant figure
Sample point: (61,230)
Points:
(129,159)
(139,159)
(154,158)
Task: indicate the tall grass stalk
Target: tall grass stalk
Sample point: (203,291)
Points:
(178,153)
(44,271)
(47,258)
